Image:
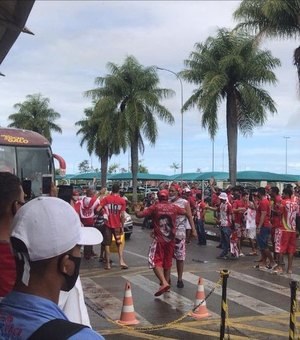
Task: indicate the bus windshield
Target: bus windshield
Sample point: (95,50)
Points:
(27,163)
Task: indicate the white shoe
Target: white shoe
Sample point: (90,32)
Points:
(242,255)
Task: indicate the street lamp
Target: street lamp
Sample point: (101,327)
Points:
(223,157)
(181,90)
(286,139)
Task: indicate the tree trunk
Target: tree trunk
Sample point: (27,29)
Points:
(104,165)
(232,134)
(134,167)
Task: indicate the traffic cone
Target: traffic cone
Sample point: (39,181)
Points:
(201,311)
(128,315)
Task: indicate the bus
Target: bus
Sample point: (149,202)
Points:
(28,155)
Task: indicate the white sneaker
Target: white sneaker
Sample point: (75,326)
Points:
(242,255)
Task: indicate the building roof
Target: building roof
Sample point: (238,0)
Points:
(13,16)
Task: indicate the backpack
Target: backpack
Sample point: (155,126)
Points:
(58,329)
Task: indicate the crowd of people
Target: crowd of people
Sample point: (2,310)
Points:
(40,257)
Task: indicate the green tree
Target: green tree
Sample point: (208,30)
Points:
(143,169)
(230,67)
(98,130)
(174,166)
(271,18)
(133,90)
(84,166)
(36,115)
(113,168)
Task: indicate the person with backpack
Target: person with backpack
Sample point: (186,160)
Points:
(87,213)
(46,239)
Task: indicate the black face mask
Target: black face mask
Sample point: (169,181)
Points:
(71,280)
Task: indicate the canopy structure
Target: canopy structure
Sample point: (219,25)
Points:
(13,16)
(219,176)
(88,176)
(265,176)
(242,176)
(191,176)
(140,176)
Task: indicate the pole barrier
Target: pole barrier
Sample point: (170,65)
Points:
(224,308)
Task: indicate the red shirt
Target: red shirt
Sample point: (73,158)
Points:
(164,220)
(264,205)
(113,205)
(215,201)
(200,210)
(275,219)
(239,216)
(7,269)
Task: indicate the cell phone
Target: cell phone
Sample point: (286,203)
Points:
(26,185)
(46,184)
(65,192)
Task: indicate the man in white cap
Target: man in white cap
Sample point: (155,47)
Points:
(225,211)
(46,238)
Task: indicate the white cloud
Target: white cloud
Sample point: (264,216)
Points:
(73,42)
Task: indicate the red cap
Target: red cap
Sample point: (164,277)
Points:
(163,194)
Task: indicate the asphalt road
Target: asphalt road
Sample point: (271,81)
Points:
(258,301)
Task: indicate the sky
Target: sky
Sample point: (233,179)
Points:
(74,41)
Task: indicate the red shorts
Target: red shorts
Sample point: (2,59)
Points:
(161,254)
(288,242)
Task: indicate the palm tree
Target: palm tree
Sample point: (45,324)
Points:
(230,67)
(271,18)
(174,166)
(34,114)
(98,131)
(134,91)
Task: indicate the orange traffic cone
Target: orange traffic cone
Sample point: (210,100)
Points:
(127,315)
(201,311)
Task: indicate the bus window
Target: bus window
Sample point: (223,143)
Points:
(33,162)
(8,159)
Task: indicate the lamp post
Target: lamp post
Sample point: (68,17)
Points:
(181,103)
(213,156)
(223,162)
(286,139)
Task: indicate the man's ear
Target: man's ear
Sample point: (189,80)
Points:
(65,265)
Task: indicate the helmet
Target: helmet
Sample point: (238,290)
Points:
(163,195)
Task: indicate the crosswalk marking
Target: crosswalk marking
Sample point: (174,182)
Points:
(175,300)
(244,300)
(100,297)
(260,283)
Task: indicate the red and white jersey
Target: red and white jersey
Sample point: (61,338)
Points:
(250,216)
(289,210)
(114,205)
(87,209)
(164,220)
(225,214)
(182,222)
(200,210)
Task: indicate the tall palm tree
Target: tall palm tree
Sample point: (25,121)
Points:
(36,115)
(98,131)
(134,91)
(230,67)
(271,18)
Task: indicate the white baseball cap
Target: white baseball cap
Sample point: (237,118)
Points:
(49,227)
(223,196)
(186,189)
